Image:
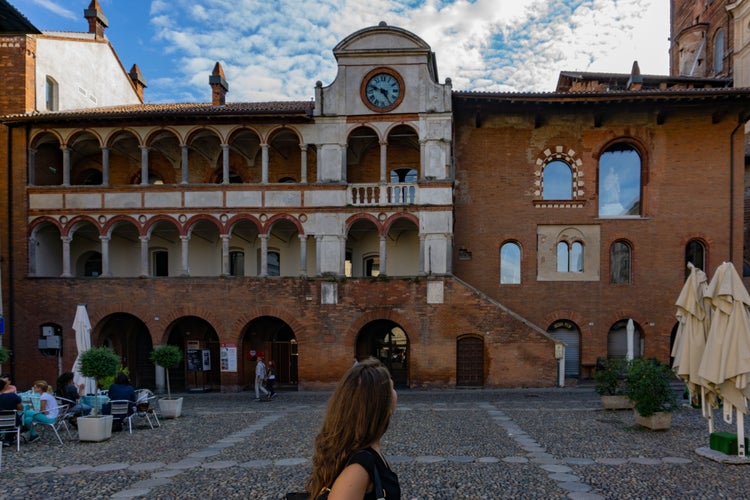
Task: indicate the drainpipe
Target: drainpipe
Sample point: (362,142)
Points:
(9,275)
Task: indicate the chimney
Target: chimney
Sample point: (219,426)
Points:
(635,82)
(97,22)
(138,81)
(219,86)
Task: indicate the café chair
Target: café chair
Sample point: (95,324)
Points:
(120,410)
(57,424)
(144,407)
(10,425)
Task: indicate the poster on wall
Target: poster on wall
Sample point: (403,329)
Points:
(228,357)
(206,360)
(194,360)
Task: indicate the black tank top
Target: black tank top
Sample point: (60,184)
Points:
(370,459)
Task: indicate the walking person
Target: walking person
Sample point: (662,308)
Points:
(347,460)
(260,375)
(271,379)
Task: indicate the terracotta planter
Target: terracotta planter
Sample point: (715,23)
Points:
(170,407)
(94,428)
(659,421)
(616,402)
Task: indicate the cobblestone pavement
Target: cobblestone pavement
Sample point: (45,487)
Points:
(520,443)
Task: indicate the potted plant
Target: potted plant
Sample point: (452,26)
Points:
(4,354)
(168,356)
(649,387)
(609,383)
(97,363)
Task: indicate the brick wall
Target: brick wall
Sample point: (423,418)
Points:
(686,195)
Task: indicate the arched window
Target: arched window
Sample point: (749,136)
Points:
(695,253)
(510,263)
(557,181)
(52,94)
(620,181)
(570,257)
(619,262)
(719,52)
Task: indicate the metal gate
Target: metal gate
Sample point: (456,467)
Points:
(470,362)
(567,332)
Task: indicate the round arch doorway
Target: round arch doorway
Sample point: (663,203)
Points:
(568,332)
(200,371)
(129,337)
(386,341)
(275,339)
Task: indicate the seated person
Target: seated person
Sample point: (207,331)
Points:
(8,386)
(67,389)
(10,401)
(47,410)
(121,390)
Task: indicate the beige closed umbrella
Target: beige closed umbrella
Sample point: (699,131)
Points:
(725,365)
(692,330)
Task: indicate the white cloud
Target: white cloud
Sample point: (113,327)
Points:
(276,50)
(56,8)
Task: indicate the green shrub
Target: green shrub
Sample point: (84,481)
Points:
(649,386)
(98,363)
(4,355)
(610,376)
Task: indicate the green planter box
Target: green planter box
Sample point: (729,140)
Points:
(725,442)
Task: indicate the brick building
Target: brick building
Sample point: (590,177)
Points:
(461,237)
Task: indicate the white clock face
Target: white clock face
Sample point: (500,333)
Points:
(383,90)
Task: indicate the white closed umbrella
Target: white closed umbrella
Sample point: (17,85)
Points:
(630,332)
(82,327)
(725,365)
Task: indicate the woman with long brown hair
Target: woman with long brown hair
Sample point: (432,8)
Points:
(347,461)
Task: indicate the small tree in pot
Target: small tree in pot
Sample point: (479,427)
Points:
(97,363)
(168,356)
(649,387)
(609,383)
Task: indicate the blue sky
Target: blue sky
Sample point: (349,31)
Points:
(277,49)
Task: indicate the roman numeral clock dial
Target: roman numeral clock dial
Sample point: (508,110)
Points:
(382,89)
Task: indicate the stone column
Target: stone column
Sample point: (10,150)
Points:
(342,255)
(144,165)
(302,254)
(303,164)
(225,255)
(264,164)
(184,163)
(105,165)
(383,161)
(318,243)
(105,256)
(185,240)
(383,267)
(263,271)
(66,165)
(225,163)
(66,257)
(422,270)
(144,256)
